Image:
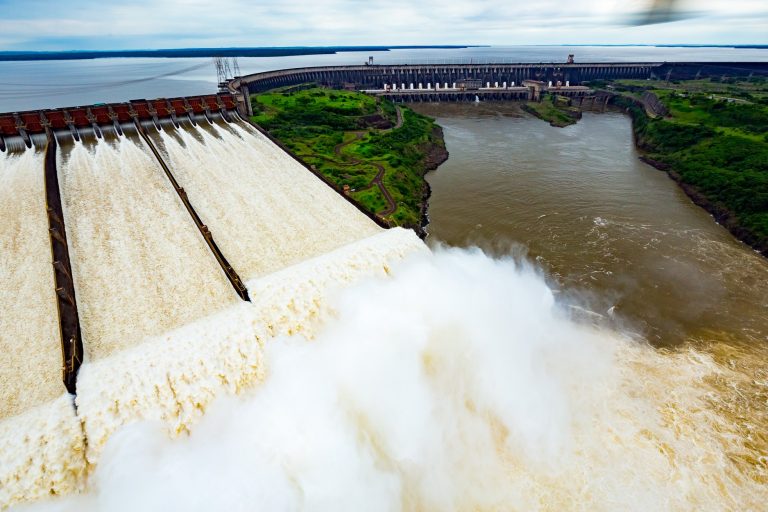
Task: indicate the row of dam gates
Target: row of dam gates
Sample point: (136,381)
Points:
(441,82)
(140,121)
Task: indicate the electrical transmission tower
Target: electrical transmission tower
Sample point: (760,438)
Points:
(221,74)
(226,69)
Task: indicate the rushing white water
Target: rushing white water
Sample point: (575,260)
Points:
(30,350)
(164,332)
(264,209)
(139,264)
(455,384)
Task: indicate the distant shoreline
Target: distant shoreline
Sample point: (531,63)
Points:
(288,51)
(213,52)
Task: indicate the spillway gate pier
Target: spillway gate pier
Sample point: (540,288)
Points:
(69,321)
(230,272)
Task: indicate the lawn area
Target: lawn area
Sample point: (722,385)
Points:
(350,138)
(717,147)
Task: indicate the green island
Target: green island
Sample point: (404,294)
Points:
(710,135)
(368,148)
(554,109)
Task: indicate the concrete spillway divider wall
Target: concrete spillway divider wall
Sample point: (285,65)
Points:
(230,272)
(69,322)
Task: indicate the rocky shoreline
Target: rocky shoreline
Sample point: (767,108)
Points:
(435,155)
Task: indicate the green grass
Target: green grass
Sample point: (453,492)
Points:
(718,147)
(313,122)
(549,110)
(371,197)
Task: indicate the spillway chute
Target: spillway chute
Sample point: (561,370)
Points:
(158,318)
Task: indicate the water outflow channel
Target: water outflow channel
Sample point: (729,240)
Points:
(30,352)
(148,264)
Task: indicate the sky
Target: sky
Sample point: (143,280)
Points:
(139,24)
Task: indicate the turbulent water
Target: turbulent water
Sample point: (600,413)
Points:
(264,199)
(518,378)
(139,264)
(617,236)
(27,301)
(457,383)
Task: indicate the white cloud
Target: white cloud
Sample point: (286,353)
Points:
(47,24)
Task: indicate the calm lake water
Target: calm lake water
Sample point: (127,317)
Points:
(50,84)
(603,225)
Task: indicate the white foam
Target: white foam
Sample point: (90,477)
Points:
(42,453)
(265,210)
(30,350)
(174,377)
(456,384)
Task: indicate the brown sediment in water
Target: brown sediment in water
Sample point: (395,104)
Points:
(721,214)
(600,222)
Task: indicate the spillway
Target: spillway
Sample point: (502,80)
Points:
(30,352)
(139,264)
(41,443)
(164,332)
(265,209)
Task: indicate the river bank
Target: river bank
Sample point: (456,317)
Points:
(713,150)
(711,147)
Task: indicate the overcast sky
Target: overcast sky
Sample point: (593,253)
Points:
(106,24)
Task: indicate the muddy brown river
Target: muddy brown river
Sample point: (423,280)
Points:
(622,245)
(614,235)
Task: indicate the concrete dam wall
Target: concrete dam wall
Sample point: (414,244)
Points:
(375,76)
(147,261)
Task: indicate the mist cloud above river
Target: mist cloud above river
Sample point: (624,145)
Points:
(457,384)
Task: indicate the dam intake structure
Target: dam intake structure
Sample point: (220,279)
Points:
(468,82)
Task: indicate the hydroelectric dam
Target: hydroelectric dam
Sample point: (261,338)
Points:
(150,250)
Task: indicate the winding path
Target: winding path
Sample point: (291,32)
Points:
(377,180)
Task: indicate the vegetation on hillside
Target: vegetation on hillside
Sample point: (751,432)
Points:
(360,142)
(714,142)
